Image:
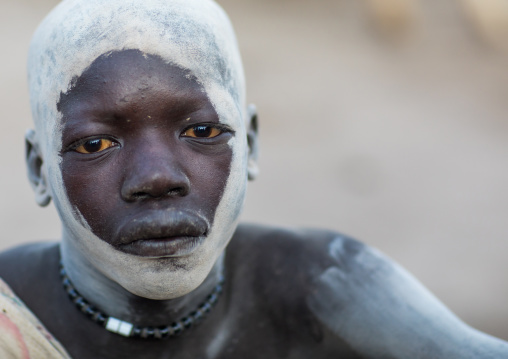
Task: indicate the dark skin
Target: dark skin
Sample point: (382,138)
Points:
(138,134)
(129,151)
(126,118)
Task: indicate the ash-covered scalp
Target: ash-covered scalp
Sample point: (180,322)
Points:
(195,35)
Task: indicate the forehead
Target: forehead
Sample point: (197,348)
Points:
(192,34)
(113,79)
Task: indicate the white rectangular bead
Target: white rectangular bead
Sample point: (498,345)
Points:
(125,329)
(119,327)
(113,324)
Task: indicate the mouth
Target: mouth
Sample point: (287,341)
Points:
(168,233)
(162,247)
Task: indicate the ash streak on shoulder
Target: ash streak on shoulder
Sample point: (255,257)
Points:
(381,311)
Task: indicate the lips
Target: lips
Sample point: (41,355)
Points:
(162,233)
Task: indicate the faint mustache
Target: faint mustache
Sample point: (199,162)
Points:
(162,224)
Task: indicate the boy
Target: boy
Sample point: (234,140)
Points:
(144,143)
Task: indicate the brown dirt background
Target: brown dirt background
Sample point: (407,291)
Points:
(390,128)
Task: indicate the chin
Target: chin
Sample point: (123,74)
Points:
(160,278)
(156,286)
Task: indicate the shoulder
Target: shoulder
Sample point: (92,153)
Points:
(280,272)
(295,250)
(22,266)
(309,262)
(353,295)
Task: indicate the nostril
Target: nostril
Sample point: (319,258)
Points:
(148,183)
(173,192)
(140,195)
(179,191)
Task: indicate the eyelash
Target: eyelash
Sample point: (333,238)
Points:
(76,145)
(222,128)
(82,141)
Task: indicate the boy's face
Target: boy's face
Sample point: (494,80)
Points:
(144,157)
(145,165)
(144,150)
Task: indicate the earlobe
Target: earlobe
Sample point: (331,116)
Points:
(252,142)
(36,170)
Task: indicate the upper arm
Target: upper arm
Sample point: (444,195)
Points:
(381,311)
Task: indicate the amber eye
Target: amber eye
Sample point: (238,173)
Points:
(96,145)
(202,131)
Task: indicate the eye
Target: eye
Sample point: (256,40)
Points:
(95,145)
(202,131)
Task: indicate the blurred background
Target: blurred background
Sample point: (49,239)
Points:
(383,119)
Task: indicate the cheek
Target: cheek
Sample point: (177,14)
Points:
(208,177)
(93,190)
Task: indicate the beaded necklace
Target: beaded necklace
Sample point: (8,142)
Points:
(127,329)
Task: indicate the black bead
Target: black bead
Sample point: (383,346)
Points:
(73,294)
(164,331)
(187,322)
(66,282)
(101,319)
(198,315)
(171,330)
(177,328)
(147,332)
(90,311)
(136,332)
(206,307)
(85,307)
(213,299)
(80,302)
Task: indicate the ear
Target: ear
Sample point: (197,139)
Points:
(36,170)
(252,142)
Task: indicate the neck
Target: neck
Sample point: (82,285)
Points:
(113,300)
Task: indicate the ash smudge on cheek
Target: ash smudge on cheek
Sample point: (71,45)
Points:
(221,180)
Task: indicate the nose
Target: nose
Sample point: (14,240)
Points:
(154,173)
